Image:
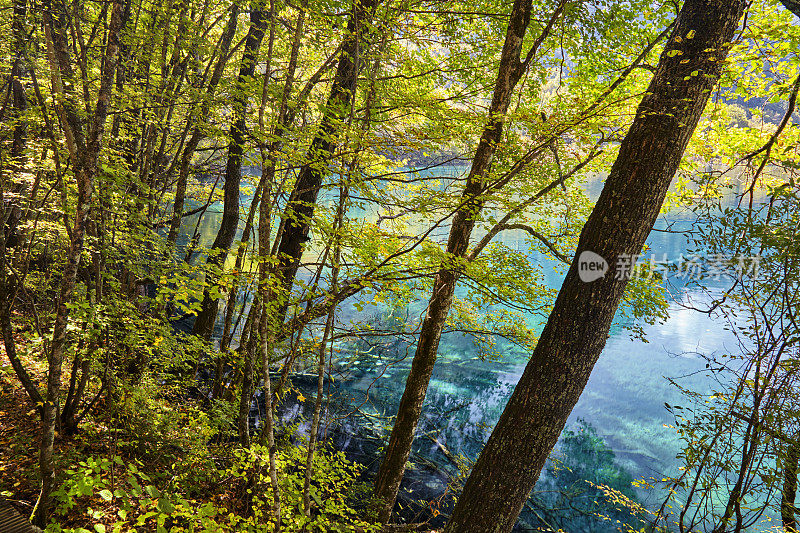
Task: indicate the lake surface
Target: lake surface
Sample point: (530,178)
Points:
(624,400)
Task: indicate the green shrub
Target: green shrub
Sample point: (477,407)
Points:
(114,495)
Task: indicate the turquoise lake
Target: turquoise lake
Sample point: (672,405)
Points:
(624,400)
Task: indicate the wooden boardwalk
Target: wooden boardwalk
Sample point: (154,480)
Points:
(13,522)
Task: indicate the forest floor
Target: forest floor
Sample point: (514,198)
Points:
(86,462)
(19,442)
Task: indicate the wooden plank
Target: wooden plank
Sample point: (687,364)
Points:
(13,522)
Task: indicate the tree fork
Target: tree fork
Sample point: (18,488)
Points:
(84,147)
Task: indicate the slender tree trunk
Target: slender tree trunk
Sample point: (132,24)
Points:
(326,334)
(11,205)
(82,360)
(578,326)
(233,296)
(511,69)
(204,325)
(13,189)
(84,150)
(11,348)
(19,75)
(197,135)
(302,201)
(266,334)
(248,352)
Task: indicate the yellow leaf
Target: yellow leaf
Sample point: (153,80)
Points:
(301,398)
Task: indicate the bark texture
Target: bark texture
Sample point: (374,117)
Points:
(789,491)
(578,326)
(204,325)
(792,5)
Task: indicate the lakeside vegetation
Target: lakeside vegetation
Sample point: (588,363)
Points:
(145,375)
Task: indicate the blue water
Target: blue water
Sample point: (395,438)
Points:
(624,399)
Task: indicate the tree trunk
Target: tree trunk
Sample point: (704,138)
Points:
(789,492)
(792,5)
(197,134)
(19,73)
(266,334)
(11,205)
(6,298)
(248,352)
(390,474)
(300,208)
(84,148)
(204,325)
(578,326)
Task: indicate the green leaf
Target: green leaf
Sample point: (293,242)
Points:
(316,499)
(165,506)
(106,495)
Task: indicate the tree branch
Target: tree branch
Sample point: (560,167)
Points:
(541,238)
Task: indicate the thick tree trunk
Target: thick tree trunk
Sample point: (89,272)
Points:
(302,202)
(792,5)
(390,474)
(578,326)
(204,325)
(84,150)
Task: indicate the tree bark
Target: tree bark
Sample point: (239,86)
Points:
(204,325)
(302,201)
(84,148)
(578,326)
(511,69)
(792,5)
(266,335)
(789,492)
